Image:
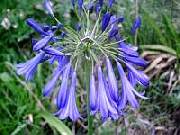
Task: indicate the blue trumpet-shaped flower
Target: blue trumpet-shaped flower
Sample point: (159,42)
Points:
(29,68)
(128,92)
(63,92)
(70,108)
(112,82)
(105,107)
(139,76)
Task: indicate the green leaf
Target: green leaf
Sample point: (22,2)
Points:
(162,48)
(5,77)
(55,122)
(18,129)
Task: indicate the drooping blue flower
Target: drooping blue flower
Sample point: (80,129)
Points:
(48,7)
(112,82)
(104,106)
(128,92)
(36,26)
(93,95)
(110,3)
(70,108)
(138,75)
(29,68)
(62,61)
(105,21)
(135,60)
(136,25)
(127,49)
(61,98)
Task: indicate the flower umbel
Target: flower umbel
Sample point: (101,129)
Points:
(94,41)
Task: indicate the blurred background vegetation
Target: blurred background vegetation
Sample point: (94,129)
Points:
(21,103)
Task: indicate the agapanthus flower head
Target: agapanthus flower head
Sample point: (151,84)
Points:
(95,42)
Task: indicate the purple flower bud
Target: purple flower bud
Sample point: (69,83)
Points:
(48,7)
(105,20)
(29,68)
(42,43)
(136,25)
(36,26)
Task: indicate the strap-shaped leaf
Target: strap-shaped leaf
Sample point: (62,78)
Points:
(55,122)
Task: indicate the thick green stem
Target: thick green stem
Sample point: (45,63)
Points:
(87,86)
